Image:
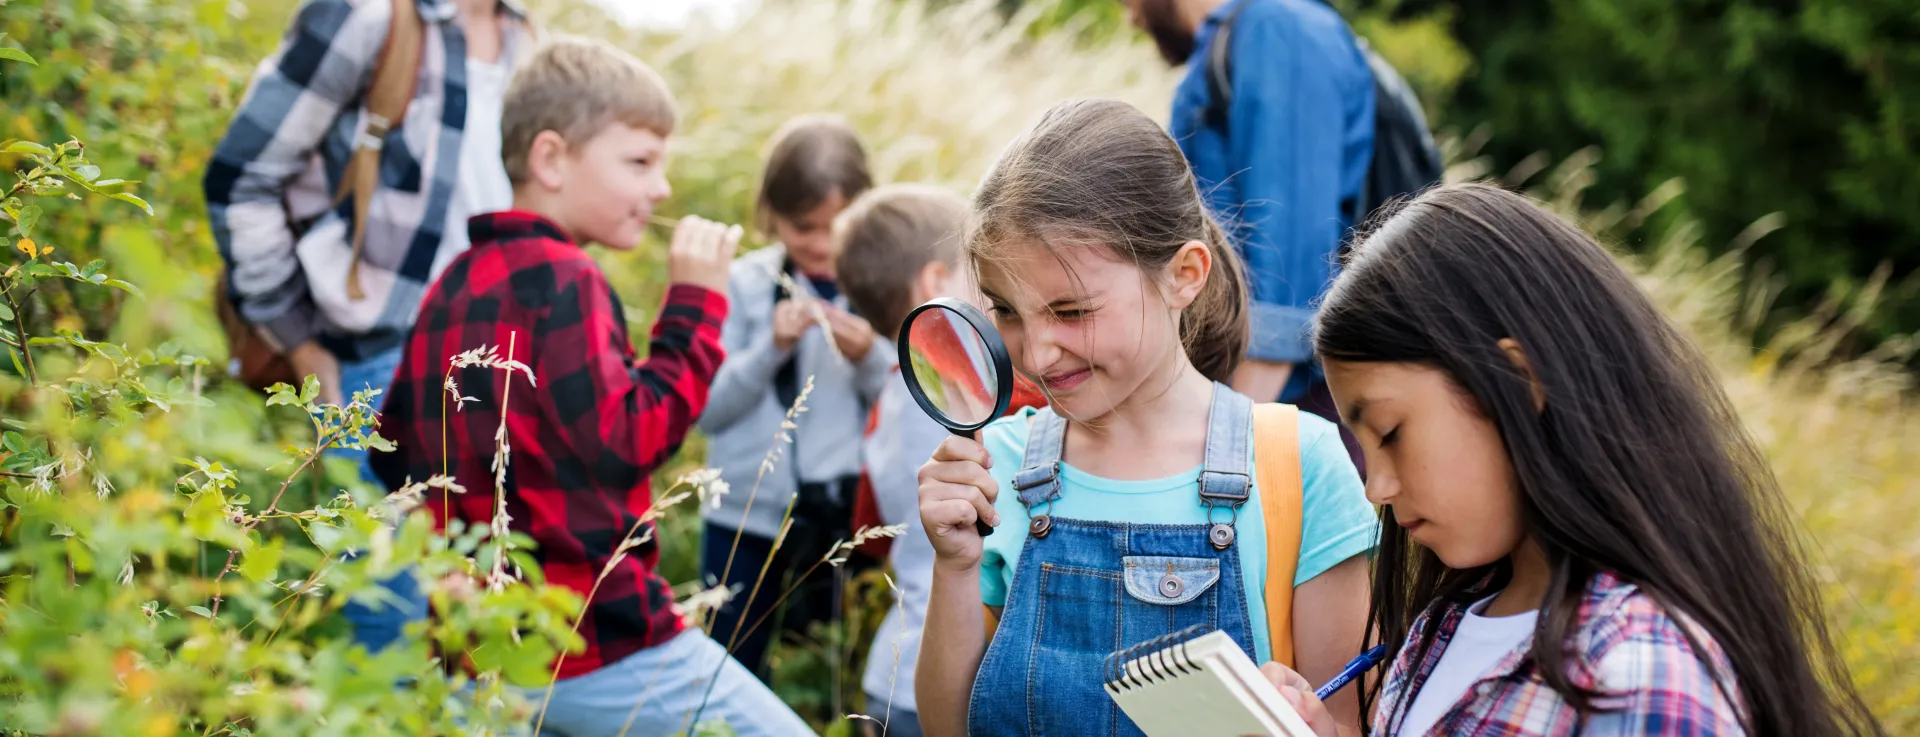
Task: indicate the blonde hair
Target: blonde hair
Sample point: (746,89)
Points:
(884,239)
(578,87)
(1101,172)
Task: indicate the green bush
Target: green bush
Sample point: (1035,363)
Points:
(1803,108)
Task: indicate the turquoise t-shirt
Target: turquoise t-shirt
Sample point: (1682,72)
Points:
(1337,521)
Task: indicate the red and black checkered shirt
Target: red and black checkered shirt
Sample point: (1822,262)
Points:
(584,439)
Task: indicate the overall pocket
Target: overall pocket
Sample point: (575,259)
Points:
(1167,594)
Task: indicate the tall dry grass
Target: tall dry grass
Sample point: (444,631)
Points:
(937,93)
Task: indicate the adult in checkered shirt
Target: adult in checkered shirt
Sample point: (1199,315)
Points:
(270,184)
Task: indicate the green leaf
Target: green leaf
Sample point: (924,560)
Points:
(123,286)
(263,562)
(6,313)
(112,182)
(25,147)
(29,217)
(375,442)
(205,513)
(86,172)
(310,390)
(124,197)
(200,610)
(17,55)
(527,665)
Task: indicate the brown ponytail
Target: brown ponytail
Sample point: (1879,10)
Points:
(1216,327)
(1100,171)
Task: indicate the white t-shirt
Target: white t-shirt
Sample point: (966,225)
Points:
(482,186)
(1478,645)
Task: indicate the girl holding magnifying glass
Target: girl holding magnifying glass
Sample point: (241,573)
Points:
(1126,509)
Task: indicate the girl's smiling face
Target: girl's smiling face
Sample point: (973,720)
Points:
(1085,325)
(1433,457)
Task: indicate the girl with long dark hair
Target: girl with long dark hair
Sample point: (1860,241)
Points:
(1579,537)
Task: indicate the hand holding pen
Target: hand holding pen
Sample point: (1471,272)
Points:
(1295,688)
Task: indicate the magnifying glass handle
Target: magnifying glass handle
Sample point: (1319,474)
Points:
(979,525)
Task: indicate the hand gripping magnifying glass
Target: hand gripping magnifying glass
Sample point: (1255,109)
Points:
(956,368)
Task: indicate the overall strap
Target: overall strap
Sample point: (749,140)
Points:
(1038,481)
(1224,482)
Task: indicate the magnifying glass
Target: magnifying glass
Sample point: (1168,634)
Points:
(956,367)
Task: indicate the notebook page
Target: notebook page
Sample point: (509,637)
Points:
(1255,693)
(1206,687)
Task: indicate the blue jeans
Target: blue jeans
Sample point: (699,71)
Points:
(658,689)
(377,625)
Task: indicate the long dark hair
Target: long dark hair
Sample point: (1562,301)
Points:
(1638,466)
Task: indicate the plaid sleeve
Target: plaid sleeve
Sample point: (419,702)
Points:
(628,416)
(1654,682)
(294,98)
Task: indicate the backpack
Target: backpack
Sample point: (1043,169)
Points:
(254,361)
(1405,159)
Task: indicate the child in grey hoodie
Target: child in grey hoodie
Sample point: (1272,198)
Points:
(789,329)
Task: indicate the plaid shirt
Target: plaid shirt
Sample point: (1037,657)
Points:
(584,436)
(282,158)
(1625,645)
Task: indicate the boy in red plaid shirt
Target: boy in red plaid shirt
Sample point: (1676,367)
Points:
(584,142)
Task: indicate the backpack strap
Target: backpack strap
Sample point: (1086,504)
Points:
(1276,465)
(396,71)
(1220,70)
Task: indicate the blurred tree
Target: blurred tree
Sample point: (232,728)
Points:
(1808,108)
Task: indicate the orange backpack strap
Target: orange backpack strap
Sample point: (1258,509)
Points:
(1276,468)
(395,73)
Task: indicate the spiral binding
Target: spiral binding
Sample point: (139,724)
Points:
(1156,659)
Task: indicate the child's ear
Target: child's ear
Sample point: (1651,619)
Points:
(1518,356)
(934,280)
(1187,274)
(547,160)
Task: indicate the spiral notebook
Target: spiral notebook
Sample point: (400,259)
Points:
(1198,683)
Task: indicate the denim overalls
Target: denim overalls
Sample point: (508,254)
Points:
(1083,589)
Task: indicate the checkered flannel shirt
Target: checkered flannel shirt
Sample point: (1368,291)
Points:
(1624,645)
(585,434)
(281,160)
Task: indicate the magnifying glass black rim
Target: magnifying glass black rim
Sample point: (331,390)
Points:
(996,351)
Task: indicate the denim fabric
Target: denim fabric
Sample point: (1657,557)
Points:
(654,692)
(1086,589)
(378,624)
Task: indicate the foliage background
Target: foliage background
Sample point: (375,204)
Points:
(1809,349)
(1805,110)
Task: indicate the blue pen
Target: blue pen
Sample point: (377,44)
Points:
(1365,662)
